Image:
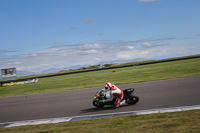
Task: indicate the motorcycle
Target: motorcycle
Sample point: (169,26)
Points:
(128,97)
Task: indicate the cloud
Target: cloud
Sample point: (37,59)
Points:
(146,44)
(72,28)
(2,52)
(17,63)
(64,45)
(130,47)
(163,39)
(91,51)
(153,44)
(63,55)
(98,59)
(87,20)
(7,51)
(147,0)
(135,53)
(90,46)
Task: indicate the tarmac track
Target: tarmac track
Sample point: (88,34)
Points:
(152,94)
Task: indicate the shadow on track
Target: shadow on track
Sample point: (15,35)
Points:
(97,109)
(101,109)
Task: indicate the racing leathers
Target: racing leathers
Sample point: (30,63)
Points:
(115,91)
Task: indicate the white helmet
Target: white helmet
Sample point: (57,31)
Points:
(108,85)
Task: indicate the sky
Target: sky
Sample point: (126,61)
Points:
(37,35)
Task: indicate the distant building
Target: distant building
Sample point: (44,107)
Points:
(99,66)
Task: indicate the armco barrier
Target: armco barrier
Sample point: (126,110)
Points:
(18,82)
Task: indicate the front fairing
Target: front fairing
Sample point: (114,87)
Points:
(99,98)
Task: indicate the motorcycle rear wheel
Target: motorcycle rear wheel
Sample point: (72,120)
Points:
(132,100)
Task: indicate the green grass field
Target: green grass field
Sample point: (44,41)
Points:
(177,122)
(159,71)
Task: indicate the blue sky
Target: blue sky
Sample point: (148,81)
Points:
(36,35)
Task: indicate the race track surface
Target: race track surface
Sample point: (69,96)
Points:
(153,95)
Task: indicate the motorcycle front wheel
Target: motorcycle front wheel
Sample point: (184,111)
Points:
(97,104)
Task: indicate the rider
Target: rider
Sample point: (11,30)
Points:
(114,91)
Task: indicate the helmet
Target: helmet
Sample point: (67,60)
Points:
(108,85)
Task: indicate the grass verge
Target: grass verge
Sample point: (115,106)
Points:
(176,122)
(159,71)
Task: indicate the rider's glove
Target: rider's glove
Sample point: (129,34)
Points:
(103,90)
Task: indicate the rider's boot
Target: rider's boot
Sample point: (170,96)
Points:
(117,103)
(116,106)
(122,102)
